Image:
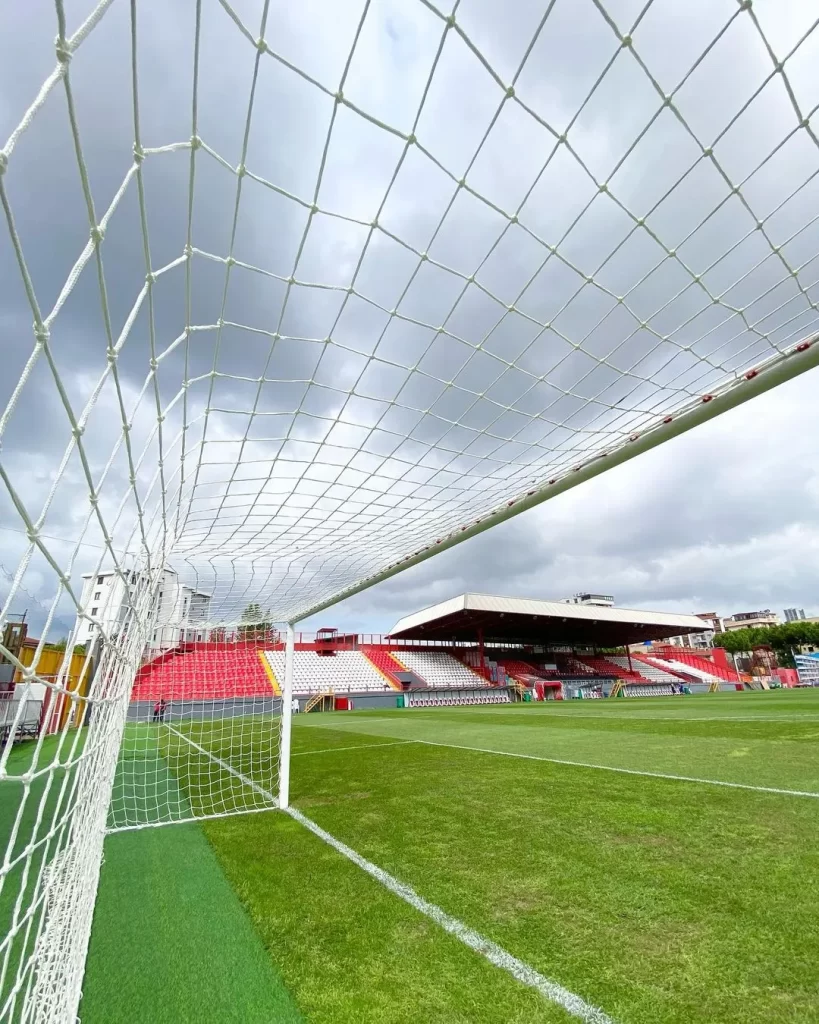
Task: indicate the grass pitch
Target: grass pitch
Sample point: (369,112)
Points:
(658,900)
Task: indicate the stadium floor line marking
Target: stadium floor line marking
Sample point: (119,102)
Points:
(358,746)
(624,771)
(228,768)
(495,954)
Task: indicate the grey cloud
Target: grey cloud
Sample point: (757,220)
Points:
(724,518)
(482,416)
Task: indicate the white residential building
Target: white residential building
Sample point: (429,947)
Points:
(179,610)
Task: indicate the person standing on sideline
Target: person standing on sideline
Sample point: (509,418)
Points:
(294,705)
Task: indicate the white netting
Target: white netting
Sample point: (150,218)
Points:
(202,735)
(317,288)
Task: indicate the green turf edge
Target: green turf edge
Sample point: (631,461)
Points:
(171,941)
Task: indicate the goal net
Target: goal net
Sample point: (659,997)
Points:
(295,296)
(203,728)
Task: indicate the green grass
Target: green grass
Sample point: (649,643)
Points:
(659,900)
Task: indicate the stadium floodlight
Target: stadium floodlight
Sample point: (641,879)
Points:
(333,292)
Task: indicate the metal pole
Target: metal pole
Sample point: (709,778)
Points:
(287,719)
(775,371)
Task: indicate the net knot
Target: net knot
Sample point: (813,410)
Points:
(261,46)
(139,153)
(150,277)
(41,333)
(111,355)
(97,234)
(196,142)
(63,50)
(241,171)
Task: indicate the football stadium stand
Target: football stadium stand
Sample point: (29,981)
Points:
(607,667)
(437,668)
(460,651)
(520,670)
(344,672)
(203,671)
(650,673)
(692,671)
(384,662)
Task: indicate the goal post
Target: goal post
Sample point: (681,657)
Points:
(287,718)
(249,371)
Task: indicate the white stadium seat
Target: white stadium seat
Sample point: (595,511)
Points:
(343,672)
(437,668)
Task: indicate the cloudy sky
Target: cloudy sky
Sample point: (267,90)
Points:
(507,246)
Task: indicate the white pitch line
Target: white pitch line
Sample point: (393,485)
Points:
(642,715)
(624,771)
(223,764)
(494,953)
(358,746)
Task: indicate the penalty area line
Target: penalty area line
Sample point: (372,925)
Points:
(495,954)
(624,771)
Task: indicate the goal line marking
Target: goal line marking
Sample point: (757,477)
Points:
(494,953)
(625,771)
(228,768)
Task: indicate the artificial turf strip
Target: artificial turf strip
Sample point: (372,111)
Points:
(171,943)
(20,884)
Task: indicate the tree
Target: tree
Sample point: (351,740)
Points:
(256,624)
(784,639)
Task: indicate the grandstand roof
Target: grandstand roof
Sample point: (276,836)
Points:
(512,620)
